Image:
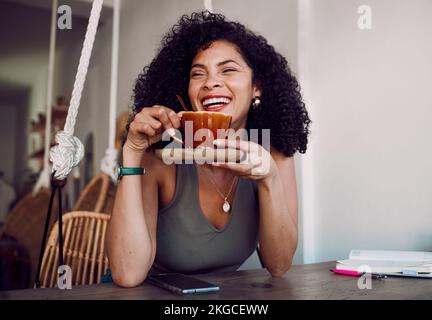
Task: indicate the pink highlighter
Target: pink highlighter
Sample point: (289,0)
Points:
(347,272)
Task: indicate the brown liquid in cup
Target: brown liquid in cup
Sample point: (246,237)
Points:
(210,121)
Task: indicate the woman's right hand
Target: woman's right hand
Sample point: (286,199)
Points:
(148,126)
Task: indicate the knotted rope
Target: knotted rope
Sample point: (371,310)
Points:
(69,150)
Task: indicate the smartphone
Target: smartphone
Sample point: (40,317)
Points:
(181,284)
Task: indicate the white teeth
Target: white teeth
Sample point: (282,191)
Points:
(216,100)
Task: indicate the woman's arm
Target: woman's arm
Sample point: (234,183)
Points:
(277,191)
(131,236)
(278,215)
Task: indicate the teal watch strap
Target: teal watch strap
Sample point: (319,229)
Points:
(130,171)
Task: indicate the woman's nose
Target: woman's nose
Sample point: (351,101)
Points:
(213,82)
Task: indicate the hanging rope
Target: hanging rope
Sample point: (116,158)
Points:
(69,150)
(44,177)
(109,161)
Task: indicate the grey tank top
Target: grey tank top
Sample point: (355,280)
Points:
(188,243)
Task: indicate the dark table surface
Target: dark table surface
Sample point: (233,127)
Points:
(310,281)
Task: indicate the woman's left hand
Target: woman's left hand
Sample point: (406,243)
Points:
(258,163)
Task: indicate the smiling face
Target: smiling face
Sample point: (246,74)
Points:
(221,81)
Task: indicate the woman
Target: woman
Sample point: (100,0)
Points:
(172,218)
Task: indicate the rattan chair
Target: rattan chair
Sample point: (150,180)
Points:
(25,223)
(83,249)
(97,196)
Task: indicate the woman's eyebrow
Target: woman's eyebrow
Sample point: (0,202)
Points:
(226,62)
(198,65)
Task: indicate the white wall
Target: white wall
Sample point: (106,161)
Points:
(94,108)
(370,98)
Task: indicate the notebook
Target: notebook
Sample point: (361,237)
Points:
(391,263)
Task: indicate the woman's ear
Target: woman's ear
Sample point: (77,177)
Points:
(256,90)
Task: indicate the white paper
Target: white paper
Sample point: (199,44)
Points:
(388,261)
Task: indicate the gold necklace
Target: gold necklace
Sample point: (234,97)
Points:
(226,207)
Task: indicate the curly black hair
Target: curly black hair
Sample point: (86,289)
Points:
(281,110)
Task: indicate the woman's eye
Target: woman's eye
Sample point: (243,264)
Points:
(196,74)
(229,70)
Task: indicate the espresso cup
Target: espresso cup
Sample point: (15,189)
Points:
(200,128)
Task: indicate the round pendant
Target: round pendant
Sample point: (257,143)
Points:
(226,206)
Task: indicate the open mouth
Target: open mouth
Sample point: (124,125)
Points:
(215,103)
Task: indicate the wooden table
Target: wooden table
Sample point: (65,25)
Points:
(312,281)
